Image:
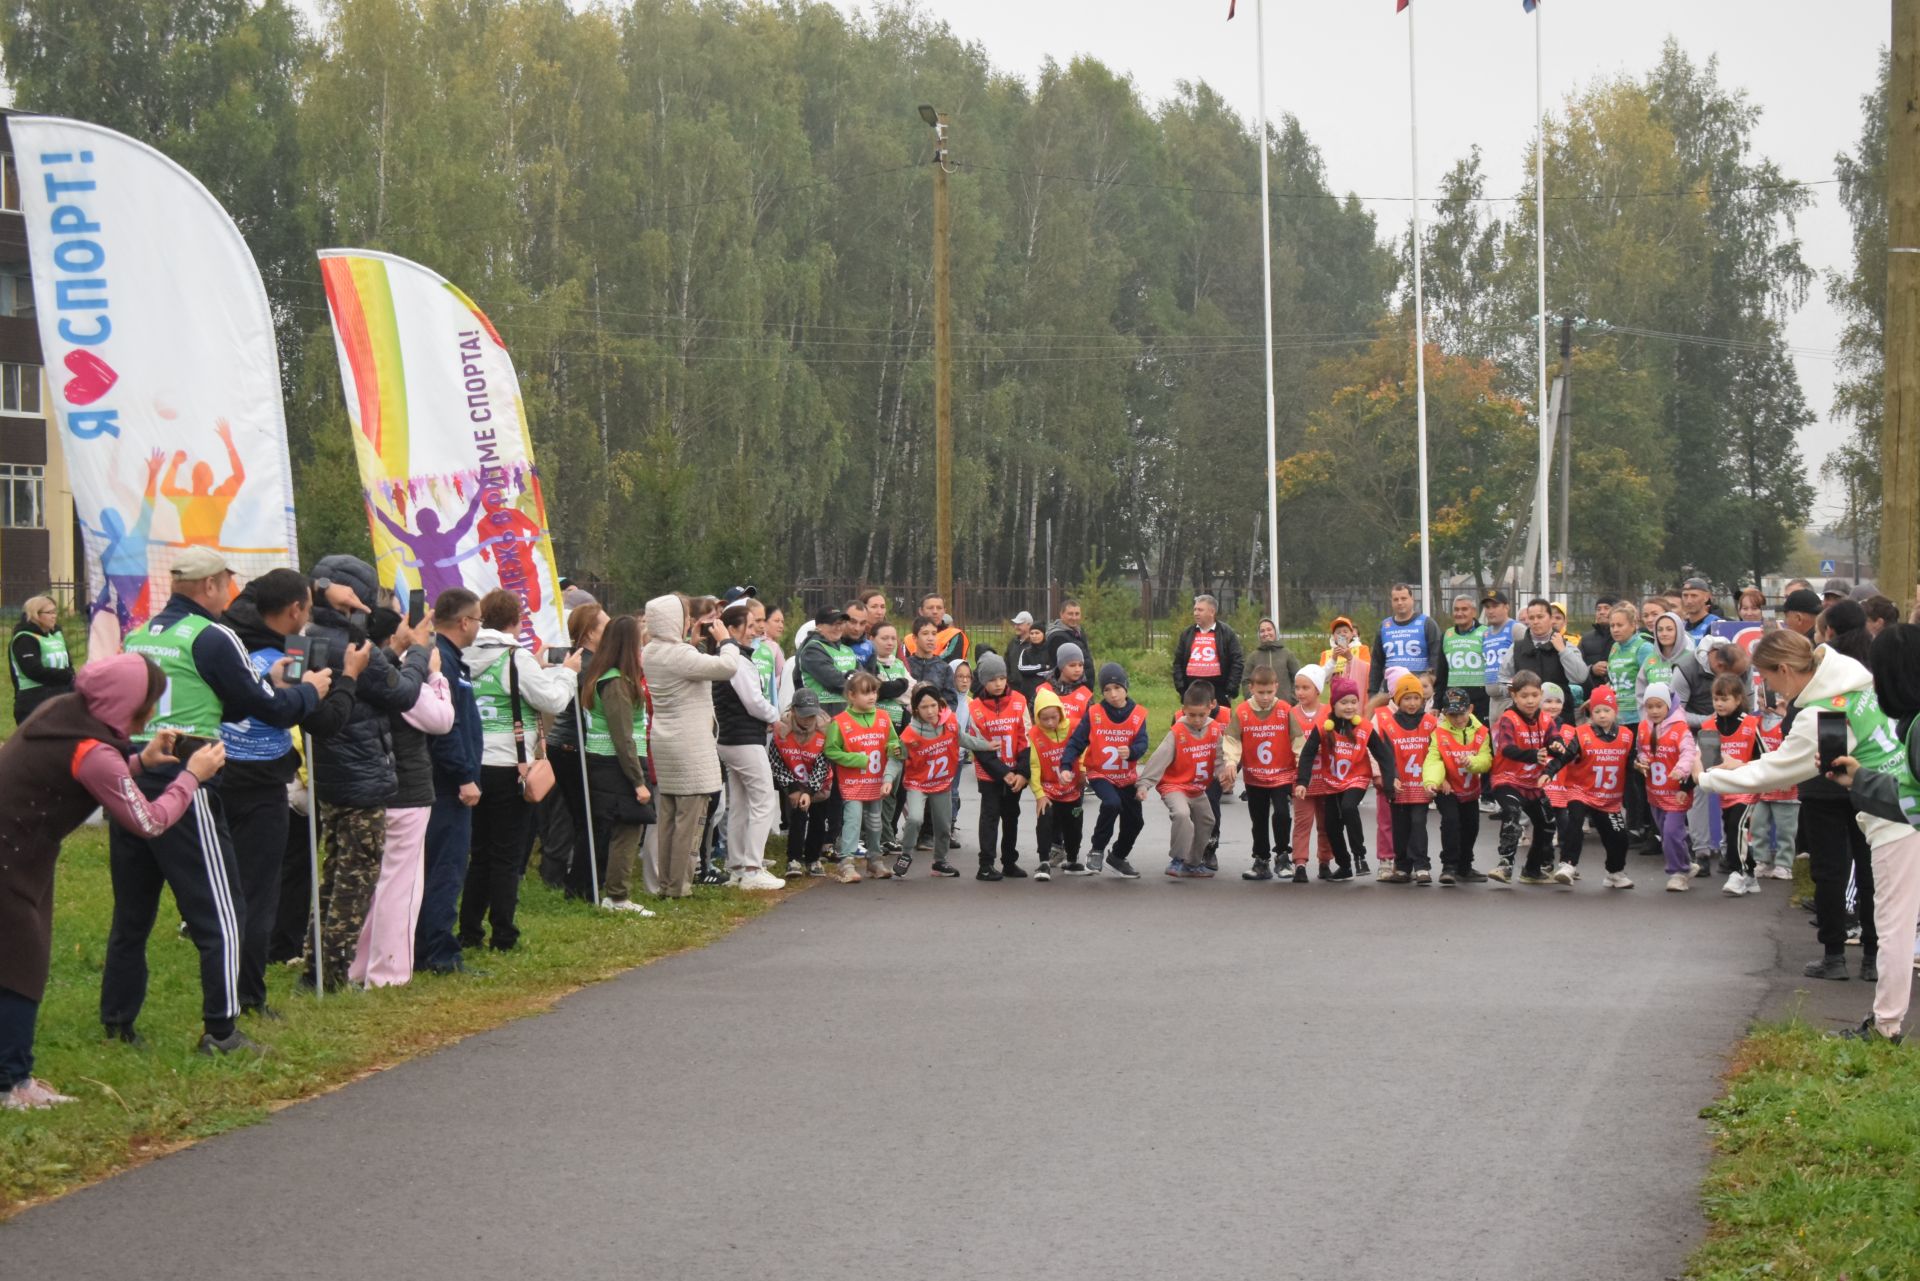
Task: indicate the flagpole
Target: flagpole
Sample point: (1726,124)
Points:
(1540,267)
(1266,262)
(1419,325)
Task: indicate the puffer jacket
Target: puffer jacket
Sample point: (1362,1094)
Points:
(680,738)
(354,766)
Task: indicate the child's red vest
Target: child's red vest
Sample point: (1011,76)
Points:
(1454,756)
(1191,770)
(1738,748)
(1110,745)
(868,783)
(1599,778)
(1075,702)
(1266,745)
(1531,735)
(1052,751)
(1660,748)
(801,756)
(1770,736)
(1004,720)
(1409,748)
(1341,764)
(932,759)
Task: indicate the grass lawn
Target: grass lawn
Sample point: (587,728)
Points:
(1818,1172)
(140,1103)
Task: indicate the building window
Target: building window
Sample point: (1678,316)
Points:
(20,390)
(16,291)
(23,495)
(9,183)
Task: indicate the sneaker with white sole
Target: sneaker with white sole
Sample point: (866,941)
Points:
(1679,883)
(1565,873)
(1618,881)
(760,879)
(1781,874)
(1753,884)
(33,1094)
(1735,884)
(1042,872)
(1501,872)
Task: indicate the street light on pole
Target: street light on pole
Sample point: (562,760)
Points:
(942,362)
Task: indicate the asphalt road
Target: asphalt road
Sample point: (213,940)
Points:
(947,1079)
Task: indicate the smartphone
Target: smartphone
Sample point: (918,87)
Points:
(297,649)
(557,654)
(416,611)
(1831,735)
(185,745)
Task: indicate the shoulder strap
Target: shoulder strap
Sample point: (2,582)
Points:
(519,724)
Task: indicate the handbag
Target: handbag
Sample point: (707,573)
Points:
(536,777)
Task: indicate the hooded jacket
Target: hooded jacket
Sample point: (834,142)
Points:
(354,765)
(680,737)
(1283,661)
(542,689)
(50,781)
(1797,759)
(260,756)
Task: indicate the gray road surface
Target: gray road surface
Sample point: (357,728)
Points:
(946,1079)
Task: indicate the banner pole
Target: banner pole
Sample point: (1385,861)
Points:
(313,862)
(1419,330)
(586,799)
(1540,280)
(1266,263)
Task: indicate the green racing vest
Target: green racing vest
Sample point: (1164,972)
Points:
(845,661)
(1624,661)
(599,736)
(1877,745)
(188,704)
(493,694)
(1466,659)
(763,663)
(53,654)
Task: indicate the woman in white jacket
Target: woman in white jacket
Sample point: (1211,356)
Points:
(686,760)
(503,671)
(1824,681)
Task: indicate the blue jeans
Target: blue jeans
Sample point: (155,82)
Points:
(17,1014)
(449,836)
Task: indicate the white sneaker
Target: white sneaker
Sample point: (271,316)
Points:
(734,878)
(1735,884)
(1781,874)
(761,879)
(1679,883)
(1564,873)
(32,1094)
(1753,883)
(626,905)
(1618,881)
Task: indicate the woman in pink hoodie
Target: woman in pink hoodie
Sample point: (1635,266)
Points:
(72,756)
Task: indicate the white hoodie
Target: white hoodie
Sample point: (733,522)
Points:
(542,689)
(1797,759)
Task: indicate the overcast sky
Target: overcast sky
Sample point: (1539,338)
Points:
(1341,67)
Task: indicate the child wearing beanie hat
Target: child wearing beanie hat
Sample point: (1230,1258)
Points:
(1591,763)
(1665,753)
(1458,757)
(1309,683)
(1402,736)
(1000,715)
(1379,711)
(1335,766)
(1112,736)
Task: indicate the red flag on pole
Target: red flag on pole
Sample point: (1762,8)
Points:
(1231,5)
(1401,6)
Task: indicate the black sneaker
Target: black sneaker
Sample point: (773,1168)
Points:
(712,874)
(1326,871)
(1213,857)
(943,868)
(264,1012)
(902,860)
(1870,967)
(1013,871)
(988,873)
(1122,868)
(1342,872)
(1867,1032)
(1299,873)
(890,847)
(234,1042)
(795,869)
(1468,876)
(1361,867)
(1828,967)
(124,1034)
(1446,876)
(1043,872)
(1074,868)
(1262,871)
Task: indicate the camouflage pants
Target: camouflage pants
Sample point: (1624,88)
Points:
(354,840)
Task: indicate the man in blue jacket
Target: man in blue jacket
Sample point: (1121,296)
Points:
(456,790)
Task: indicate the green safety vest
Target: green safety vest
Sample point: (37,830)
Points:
(1877,745)
(1659,670)
(599,736)
(845,661)
(892,669)
(53,654)
(493,693)
(1624,661)
(188,704)
(1466,659)
(763,663)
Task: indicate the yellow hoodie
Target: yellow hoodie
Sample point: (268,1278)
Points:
(1042,700)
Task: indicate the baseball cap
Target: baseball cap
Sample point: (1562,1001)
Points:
(732,594)
(1696,584)
(806,703)
(1022,619)
(1495,598)
(1836,587)
(196,563)
(830,615)
(1455,701)
(1801,601)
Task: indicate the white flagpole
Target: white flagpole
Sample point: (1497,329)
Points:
(1419,327)
(1540,254)
(1266,261)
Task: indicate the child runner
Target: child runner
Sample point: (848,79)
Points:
(1070,683)
(1187,761)
(1379,714)
(890,667)
(930,746)
(1111,739)
(1591,763)
(1628,651)
(1259,745)
(1058,787)
(804,777)
(1337,766)
(1000,715)
(1739,743)
(1304,720)
(1774,821)
(1520,741)
(1458,756)
(1553,702)
(1403,735)
(860,743)
(1665,754)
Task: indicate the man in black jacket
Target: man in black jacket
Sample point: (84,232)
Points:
(456,790)
(1208,651)
(1543,651)
(353,774)
(261,762)
(1067,630)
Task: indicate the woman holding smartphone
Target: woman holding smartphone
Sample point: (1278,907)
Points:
(613,702)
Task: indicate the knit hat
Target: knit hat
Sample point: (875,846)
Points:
(1315,673)
(1342,687)
(1112,674)
(990,668)
(1455,701)
(1604,694)
(1552,693)
(1067,653)
(1660,690)
(1408,684)
(1392,677)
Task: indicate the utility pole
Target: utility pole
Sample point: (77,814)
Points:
(942,363)
(1900,429)
(1564,546)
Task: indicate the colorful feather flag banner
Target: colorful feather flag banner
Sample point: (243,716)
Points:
(446,462)
(1528,6)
